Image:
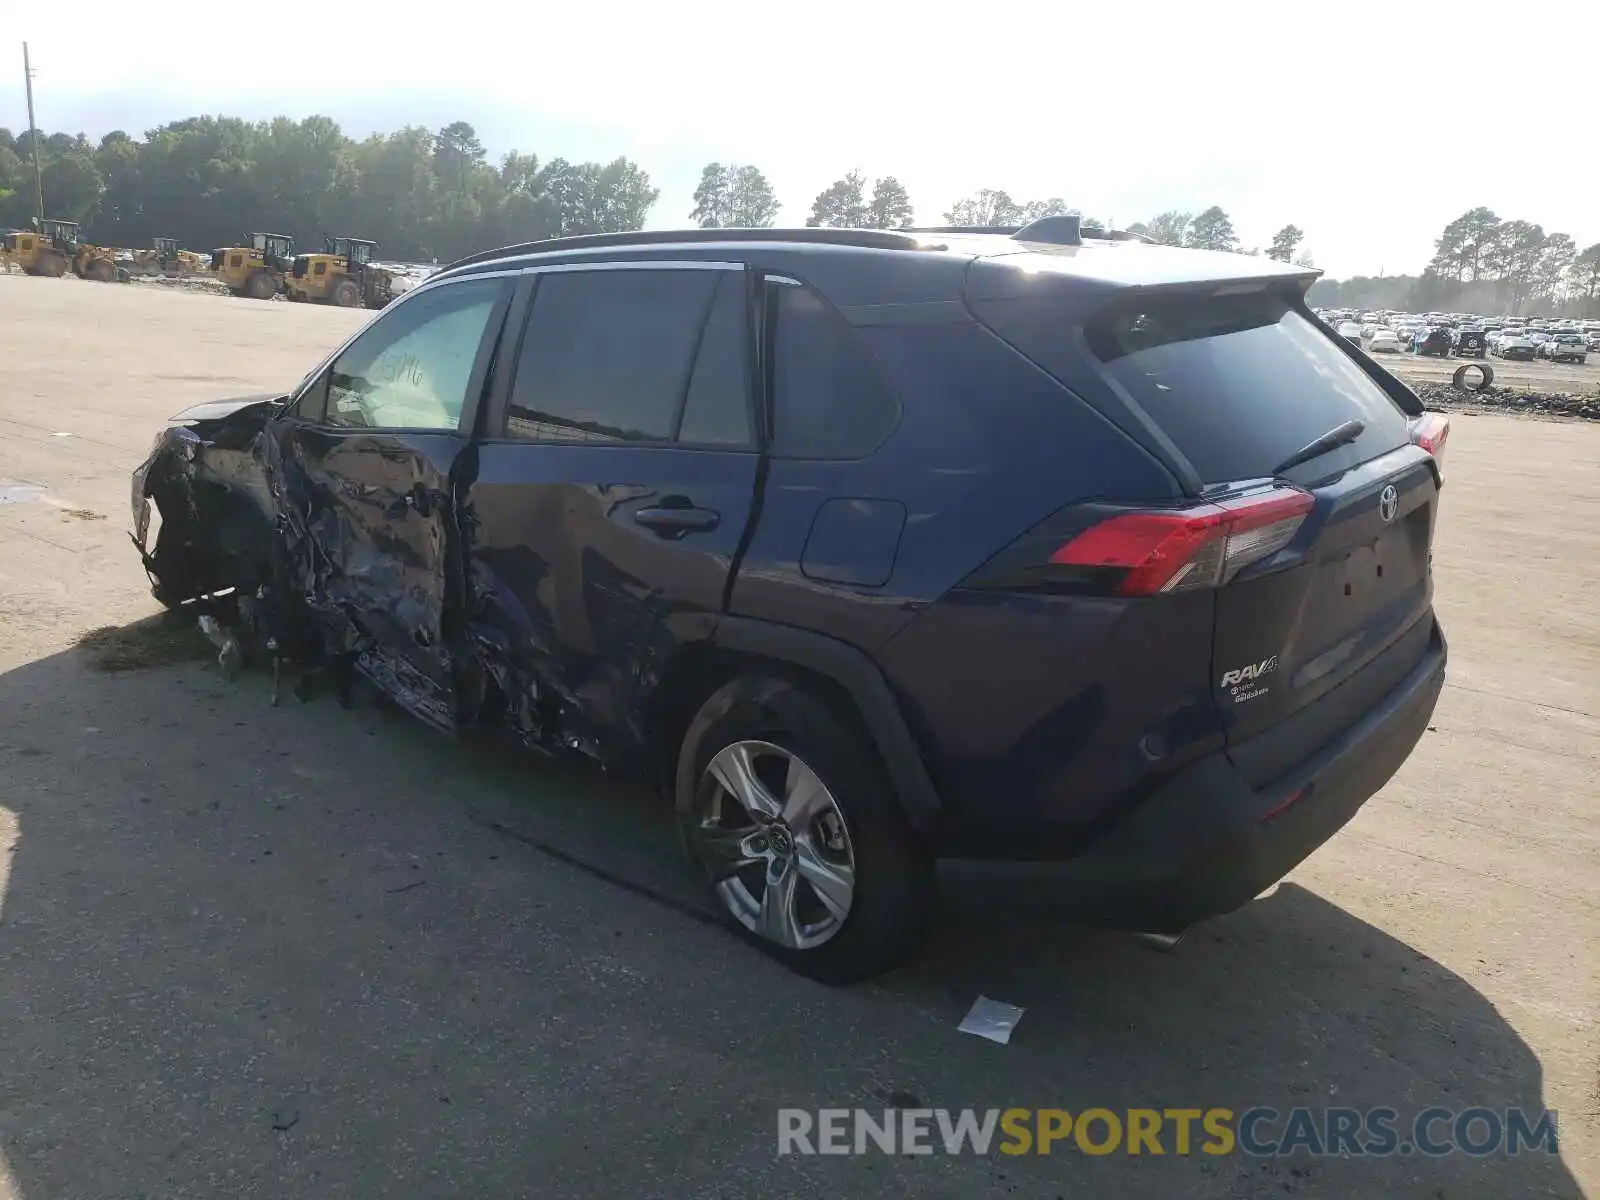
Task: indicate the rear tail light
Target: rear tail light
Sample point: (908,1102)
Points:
(1431,431)
(1149,553)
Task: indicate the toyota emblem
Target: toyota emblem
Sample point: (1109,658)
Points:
(1388,503)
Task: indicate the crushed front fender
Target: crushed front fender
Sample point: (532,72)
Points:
(205,477)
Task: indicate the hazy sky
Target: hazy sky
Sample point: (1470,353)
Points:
(1369,126)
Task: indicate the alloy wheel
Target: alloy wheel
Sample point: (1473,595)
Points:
(776,844)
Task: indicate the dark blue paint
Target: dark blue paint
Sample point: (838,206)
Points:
(587,605)
(853,540)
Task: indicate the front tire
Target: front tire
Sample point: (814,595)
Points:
(787,813)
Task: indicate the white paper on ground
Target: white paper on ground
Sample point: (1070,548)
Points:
(991,1019)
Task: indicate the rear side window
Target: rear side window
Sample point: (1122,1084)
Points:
(1240,383)
(827,397)
(632,356)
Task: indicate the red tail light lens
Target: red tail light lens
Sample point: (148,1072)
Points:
(1183,549)
(1431,431)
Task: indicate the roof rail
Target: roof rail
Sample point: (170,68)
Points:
(1002,230)
(1063,230)
(1117,235)
(872,239)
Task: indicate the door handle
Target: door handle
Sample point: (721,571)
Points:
(672,521)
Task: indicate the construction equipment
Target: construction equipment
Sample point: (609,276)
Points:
(166,259)
(343,274)
(55,248)
(256,269)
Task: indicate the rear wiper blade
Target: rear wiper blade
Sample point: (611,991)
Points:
(1339,435)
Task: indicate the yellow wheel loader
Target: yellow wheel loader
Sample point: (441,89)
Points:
(343,274)
(55,249)
(164,258)
(256,269)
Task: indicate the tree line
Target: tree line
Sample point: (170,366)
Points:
(419,194)
(425,194)
(1484,264)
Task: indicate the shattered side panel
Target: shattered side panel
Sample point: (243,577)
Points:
(340,540)
(527,585)
(577,597)
(368,525)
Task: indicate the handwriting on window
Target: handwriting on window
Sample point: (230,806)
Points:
(400,369)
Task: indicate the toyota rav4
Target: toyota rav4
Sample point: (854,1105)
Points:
(880,552)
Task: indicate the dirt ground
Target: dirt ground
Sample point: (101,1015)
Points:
(305,951)
(1535,376)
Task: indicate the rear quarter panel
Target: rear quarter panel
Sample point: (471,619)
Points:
(986,447)
(1032,712)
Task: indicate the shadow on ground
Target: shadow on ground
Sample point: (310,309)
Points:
(309,951)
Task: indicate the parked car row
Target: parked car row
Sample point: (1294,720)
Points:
(1443,335)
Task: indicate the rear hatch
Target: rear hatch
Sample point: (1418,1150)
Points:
(1320,567)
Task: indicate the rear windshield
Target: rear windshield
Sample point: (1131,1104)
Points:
(1240,383)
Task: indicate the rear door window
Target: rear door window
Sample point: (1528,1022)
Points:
(639,355)
(716,411)
(1240,383)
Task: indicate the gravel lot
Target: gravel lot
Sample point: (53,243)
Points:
(310,952)
(1537,375)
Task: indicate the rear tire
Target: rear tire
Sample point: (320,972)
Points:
(52,266)
(260,286)
(874,894)
(346,294)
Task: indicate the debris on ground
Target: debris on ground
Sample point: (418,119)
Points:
(186,283)
(160,641)
(991,1019)
(1444,396)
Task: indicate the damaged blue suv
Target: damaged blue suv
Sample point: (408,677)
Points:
(1043,551)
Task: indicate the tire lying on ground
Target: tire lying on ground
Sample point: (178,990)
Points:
(1485,377)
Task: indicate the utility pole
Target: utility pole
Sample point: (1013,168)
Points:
(33,141)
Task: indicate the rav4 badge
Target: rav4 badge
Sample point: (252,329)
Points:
(1240,681)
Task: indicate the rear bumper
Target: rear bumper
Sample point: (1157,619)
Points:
(1206,843)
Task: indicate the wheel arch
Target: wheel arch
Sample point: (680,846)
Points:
(845,675)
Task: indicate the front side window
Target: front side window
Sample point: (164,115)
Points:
(633,355)
(411,367)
